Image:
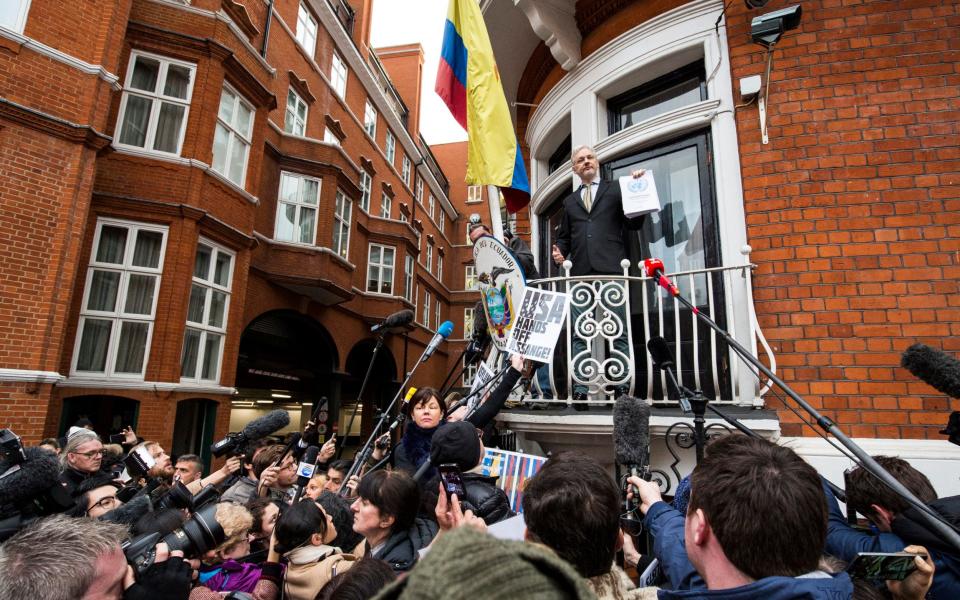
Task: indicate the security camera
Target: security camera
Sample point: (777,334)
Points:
(767,29)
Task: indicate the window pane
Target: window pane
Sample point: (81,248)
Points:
(168,127)
(218,304)
(191,348)
(178,81)
(221,274)
(93,345)
(285,222)
(375,254)
(145,73)
(243,120)
(211,356)
(388,256)
(237,159)
(195,308)
(103,291)
(373,276)
(132,347)
(227,102)
(140,291)
(136,117)
(387,286)
(307,217)
(288,188)
(220,140)
(201,265)
(311,188)
(113,241)
(146,252)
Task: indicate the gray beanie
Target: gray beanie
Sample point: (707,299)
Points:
(467,564)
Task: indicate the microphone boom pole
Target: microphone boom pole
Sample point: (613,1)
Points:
(654,269)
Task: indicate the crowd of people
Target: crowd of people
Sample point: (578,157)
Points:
(753,520)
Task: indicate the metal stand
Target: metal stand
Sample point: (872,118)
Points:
(363,387)
(935,522)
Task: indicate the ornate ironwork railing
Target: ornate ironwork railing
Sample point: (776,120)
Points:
(603,349)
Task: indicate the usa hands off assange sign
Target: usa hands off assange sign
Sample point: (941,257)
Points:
(540,319)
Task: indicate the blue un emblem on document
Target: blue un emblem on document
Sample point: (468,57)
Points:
(637,186)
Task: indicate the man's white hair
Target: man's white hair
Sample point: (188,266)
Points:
(55,558)
(74,442)
(579,148)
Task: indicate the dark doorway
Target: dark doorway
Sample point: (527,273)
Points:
(109,414)
(381,387)
(193,428)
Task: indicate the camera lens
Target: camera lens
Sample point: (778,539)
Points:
(178,496)
(198,535)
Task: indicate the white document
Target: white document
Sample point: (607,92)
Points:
(639,195)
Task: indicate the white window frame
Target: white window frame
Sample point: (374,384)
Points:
(436,313)
(386,205)
(409,266)
(329,137)
(204,327)
(341,224)
(405,170)
(21,19)
(234,136)
(370,116)
(338,75)
(474,194)
(432,206)
(157,100)
(469,275)
(426,309)
(469,372)
(390,147)
(300,205)
(418,191)
(306,30)
(468,317)
(442,222)
(117,316)
(381,267)
(292,115)
(429,263)
(366,184)
(439,267)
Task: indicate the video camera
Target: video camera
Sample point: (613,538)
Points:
(198,535)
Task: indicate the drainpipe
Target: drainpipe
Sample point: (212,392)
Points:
(266,29)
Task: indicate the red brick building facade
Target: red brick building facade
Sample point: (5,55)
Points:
(205,208)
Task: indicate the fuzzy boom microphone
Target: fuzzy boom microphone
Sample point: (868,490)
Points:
(938,369)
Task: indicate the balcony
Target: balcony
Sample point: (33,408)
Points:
(544,420)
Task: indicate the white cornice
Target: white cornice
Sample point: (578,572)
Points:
(29,376)
(157,386)
(63,58)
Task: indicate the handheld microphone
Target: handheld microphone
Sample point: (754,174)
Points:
(443,332)
(305,471)
(256,429)
(660,351)
(631,444)
(394,321)
(937,369)
(32,486)
(653,268)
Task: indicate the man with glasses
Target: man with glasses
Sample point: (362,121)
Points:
(98,495)
(81,459)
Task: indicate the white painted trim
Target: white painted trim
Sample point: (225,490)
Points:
(316,249)
(29,376)
(157,386)
(586,423)
(63,57)
(349,52)
(343,153)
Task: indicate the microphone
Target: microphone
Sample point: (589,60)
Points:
(631,444)
(256,429)
(305,471)
(446,328)
(130,512)
(660,351)
(394,321)
(937,369)
(32,486)
(653,268)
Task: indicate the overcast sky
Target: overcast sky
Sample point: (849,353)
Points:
(408,21)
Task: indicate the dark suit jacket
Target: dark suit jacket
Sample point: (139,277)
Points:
(595,241)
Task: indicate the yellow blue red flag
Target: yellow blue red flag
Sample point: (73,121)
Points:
(469,84)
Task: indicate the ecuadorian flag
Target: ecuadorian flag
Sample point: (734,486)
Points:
(469,84)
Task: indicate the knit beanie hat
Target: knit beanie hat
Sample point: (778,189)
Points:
(458,443)
(681,498)
(467,564)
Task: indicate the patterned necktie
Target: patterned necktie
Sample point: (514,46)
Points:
(588,196)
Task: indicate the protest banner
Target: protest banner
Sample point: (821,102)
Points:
(512,469)
(501,281)
(536,329)
(484,374)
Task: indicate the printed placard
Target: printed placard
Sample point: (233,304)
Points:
(540,319)
(501,281)
(639,195)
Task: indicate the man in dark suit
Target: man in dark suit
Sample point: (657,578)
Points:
(592,235)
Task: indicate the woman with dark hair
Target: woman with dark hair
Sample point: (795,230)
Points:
(363,581)
(303,536)
(338,508)
(385,514)
(265,513)
(426,413)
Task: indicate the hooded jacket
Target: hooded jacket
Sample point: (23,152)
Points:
(400,551)
(309,568)
(844,542)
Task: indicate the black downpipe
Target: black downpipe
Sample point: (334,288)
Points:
(266,29)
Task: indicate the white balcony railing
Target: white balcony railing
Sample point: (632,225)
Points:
(606,367)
